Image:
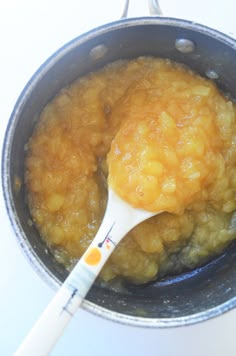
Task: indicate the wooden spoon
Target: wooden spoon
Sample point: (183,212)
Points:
(119,219)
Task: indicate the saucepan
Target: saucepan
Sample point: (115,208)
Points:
(187,298)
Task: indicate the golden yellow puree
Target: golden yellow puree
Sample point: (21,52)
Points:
(169,150)
(170,137)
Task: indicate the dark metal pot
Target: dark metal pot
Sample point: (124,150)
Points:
(184,299)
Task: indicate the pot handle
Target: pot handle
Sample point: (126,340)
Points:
(153,5)
(154,8)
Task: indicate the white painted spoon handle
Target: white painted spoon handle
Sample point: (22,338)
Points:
(53,321)
(56,316)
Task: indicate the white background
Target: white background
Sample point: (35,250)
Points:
(30,31)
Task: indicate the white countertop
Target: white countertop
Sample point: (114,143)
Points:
(29,32)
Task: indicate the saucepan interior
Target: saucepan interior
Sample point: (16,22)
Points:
(193,296)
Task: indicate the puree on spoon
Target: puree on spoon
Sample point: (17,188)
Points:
(162,159)
(170,137)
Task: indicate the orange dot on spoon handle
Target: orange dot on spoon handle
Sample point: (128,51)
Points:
(93,256)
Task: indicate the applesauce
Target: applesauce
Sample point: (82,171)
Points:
(167,139)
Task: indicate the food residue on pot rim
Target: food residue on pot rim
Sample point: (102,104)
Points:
(17,184)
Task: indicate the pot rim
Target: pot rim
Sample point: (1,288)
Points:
(26,247)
